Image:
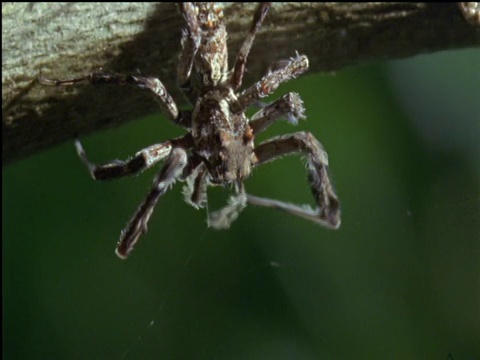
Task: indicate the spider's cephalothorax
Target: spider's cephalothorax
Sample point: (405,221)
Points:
(219,147)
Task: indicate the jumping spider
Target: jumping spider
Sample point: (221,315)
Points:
(219,146)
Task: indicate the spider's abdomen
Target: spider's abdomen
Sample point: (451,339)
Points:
(211,61)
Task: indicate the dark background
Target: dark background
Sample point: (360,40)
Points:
(399,280)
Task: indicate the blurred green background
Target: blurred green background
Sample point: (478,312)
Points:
(399,280)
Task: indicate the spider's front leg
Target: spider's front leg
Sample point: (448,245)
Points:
(290,69)
(170,172)
(327,212)
(289,105)
(142,160)
(151,84)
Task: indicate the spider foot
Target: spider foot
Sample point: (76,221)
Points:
(83,156)
(223,218)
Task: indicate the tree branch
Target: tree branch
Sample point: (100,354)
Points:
(64,40)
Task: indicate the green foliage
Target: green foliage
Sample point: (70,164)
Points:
(398,280)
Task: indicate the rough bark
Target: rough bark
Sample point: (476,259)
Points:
(64,40)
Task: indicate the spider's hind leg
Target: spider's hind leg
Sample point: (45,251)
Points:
(191,38)
(241,60)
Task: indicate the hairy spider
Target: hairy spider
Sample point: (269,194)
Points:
(219,146)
